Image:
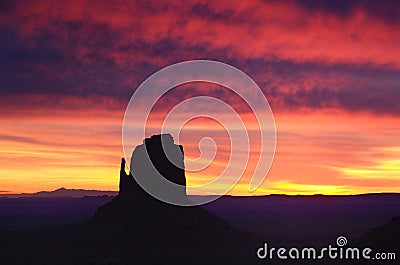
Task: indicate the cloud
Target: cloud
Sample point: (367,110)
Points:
(255,29)
(387,10)
(306,56)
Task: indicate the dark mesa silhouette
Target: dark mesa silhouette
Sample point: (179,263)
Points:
(156,161)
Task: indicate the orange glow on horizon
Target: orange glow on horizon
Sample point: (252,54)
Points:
(316,153)
(331,76)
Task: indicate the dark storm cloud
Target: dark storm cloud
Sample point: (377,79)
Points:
(360,100)
(388,10)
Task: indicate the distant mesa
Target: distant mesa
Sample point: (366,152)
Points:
(62,193)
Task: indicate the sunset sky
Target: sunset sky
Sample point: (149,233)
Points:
(329,69)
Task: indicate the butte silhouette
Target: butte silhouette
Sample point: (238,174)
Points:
(135,222)
(155,161)
(133,205)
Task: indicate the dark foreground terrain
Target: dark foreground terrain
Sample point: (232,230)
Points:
(56,230)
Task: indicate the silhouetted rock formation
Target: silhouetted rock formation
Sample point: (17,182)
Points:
(166,157)
(133,205)
(126,182)
(149,230)
(156,160)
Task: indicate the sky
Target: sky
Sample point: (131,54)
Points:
(329,69)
